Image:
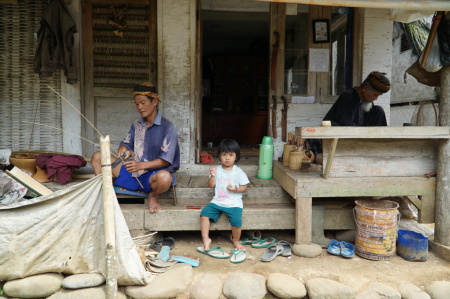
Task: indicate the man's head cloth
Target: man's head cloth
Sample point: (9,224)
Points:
(146,89)
(379,82)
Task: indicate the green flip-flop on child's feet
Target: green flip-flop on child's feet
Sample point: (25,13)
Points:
(238,256)
(216,252)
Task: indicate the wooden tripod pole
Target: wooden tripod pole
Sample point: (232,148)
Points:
(108,219)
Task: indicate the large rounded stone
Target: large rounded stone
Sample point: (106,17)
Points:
(307,250)
(411,291)
(36,286)
(245,286)
(86,293)
(167,285)
(207,286)
(379,290)
(80,281)
(319,288)
(285,286)
(439,289)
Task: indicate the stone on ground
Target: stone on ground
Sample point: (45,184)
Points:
(307,250)
(319,288)
(285,286)
(36,286)
(207,286)
(86,293)
(379,290)
(167,285)
(411,291)
(80,281)
(439,289)
(245,286)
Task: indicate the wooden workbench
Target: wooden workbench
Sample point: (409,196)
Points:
(366,161)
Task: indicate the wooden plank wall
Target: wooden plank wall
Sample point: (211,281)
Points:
(382,157)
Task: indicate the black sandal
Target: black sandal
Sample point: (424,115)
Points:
(157,245)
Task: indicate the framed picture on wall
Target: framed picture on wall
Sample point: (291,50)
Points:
(321,31)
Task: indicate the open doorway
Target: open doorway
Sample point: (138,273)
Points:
(235,72)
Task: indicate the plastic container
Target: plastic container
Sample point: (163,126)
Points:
(265,158)
(412,246)
(376,228)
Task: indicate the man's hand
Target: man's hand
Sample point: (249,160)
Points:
(133,166)
(123,150)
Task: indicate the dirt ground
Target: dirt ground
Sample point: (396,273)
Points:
(356,273)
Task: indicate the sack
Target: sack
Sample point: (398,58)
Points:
(433,63)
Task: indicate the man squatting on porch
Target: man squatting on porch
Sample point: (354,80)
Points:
(153,141)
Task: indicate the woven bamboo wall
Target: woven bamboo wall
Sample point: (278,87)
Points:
(121,62)
(23,95)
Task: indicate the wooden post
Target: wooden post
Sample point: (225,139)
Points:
(442,209)
(303,218)
(108,219)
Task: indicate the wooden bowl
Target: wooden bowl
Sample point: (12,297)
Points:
(27,164)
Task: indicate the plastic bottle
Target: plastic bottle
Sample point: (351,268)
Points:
(265,158)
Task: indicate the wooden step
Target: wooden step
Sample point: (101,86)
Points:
(255,217)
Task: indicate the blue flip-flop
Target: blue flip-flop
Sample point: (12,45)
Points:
(334,247)
(264,243)
(186,260)
(347,249)
(164,254)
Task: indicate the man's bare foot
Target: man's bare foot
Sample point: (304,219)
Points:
(238,245)
(153,204)
(206,244)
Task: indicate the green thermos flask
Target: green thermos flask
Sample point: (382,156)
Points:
(265,158)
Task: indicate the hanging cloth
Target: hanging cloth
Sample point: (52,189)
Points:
(55,49)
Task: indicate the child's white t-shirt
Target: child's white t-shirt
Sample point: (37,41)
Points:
(234,177)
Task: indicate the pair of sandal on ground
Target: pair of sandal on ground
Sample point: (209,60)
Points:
(273,248)
(341,248)
(237,256)
(163,260)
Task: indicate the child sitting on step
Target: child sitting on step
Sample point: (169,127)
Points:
(229,182)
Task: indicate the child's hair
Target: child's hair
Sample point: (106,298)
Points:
(229,146)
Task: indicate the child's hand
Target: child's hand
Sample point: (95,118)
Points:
(231,187)
(212,171)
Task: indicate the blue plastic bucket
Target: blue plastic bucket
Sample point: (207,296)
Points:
(412,246)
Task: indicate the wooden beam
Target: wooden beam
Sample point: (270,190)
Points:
(374,132)
(108,219)
(330,158)
(303,220)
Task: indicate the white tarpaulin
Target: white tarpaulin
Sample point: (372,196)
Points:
(436,5)
(63,233)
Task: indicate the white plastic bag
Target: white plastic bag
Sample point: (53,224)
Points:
(433,63)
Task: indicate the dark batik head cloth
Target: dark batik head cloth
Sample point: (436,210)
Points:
(146,89)
(379,81)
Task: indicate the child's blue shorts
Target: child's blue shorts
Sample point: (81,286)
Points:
(213,212)
(127,181)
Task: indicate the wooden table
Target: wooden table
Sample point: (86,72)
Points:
(366,161)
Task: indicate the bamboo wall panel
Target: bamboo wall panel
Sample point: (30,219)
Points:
(23,95)
(121,62)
